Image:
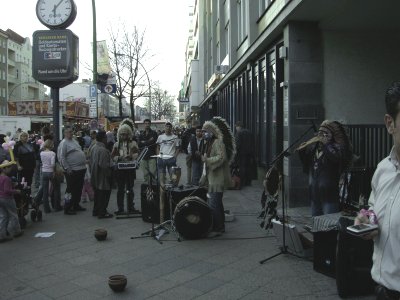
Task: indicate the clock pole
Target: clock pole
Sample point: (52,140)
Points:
(53,65)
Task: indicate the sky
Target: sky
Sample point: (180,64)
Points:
(166,23)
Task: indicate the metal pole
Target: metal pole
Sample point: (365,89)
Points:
(95,55)
(55,96)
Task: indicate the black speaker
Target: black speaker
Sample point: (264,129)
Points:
(353,263)
(325,252)
(150,203)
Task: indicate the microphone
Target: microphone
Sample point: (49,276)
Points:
(313,126)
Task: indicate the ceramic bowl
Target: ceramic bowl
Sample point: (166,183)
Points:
(117,282)
(100,234)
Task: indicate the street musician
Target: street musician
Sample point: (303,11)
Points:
(125,150)
(324,158)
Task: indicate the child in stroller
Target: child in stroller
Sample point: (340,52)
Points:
(24,202)
(9,223)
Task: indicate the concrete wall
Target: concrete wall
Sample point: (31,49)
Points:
(196,92)
(358,67)
(302,100)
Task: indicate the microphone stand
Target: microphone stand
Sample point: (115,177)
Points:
(285,153)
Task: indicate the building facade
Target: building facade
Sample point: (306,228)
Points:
(107,104)
(280,66)
(16,81)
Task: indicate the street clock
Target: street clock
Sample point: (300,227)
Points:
(56,14)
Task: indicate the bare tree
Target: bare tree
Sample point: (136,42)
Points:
(128,55)
(162,105)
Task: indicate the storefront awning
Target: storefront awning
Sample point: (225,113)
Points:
(41,120)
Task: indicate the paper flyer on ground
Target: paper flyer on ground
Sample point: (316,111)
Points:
(44,234)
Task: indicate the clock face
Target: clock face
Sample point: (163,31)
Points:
(56,13)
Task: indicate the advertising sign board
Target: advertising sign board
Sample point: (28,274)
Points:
(55,57)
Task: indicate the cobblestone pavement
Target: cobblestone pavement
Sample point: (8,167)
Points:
(72,264)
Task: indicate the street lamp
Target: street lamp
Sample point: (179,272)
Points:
(147,76)
(94,43)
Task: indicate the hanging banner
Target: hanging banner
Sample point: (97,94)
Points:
(103,60)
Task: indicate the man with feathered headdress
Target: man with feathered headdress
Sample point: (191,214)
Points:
(324,158)
(124,150)
(220,151)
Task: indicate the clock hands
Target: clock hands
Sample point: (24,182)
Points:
(54,11)
(55,8)
(59,3)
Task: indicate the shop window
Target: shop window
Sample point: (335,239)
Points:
(264,5)
(241,20)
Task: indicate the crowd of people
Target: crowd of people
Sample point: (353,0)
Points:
(87,161)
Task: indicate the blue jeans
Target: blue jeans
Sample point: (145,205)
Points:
(8,218)
(166,164)
(197,169)
(148,167)
(217,210)
(319,208)
(42,196)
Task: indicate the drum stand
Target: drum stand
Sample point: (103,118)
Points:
(162,228)
(150,233)
(171,221)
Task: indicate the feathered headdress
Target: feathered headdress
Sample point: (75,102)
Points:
(125,126)
(129,122)
(341,137)
(221,129)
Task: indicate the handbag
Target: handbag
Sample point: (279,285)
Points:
(58,172)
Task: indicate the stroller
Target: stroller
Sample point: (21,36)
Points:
(24,203)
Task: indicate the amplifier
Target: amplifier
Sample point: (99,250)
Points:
(127,165)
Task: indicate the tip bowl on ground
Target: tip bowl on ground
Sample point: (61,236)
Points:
(117,282)
(100,234)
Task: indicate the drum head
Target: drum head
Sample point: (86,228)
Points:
(193,218)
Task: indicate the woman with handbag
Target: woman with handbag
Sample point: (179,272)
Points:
(25,157)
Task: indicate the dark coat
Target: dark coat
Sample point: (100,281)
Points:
(324,172)
(100,167)
(149,140)
(194,148)
(245,158)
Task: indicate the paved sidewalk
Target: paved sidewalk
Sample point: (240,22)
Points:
(72,264)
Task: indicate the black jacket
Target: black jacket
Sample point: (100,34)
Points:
(149,140)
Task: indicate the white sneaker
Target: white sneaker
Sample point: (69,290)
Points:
(213,234)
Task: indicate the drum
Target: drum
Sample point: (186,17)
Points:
(193,218)
(175,175)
